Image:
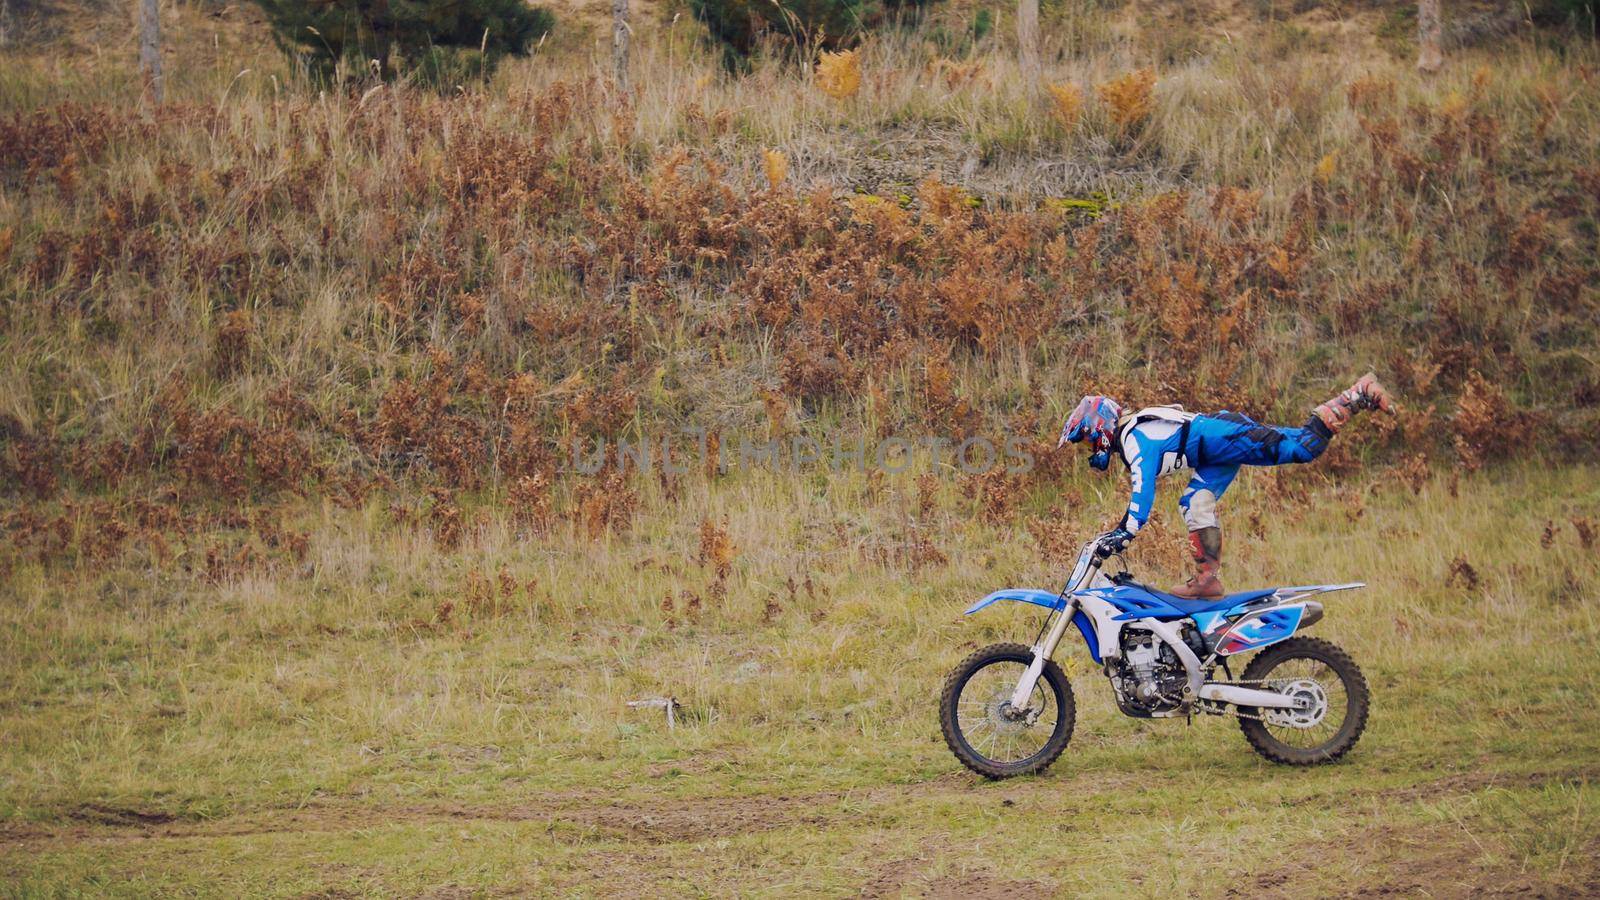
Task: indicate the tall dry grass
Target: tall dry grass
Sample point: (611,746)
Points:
(256,294)
(259,299)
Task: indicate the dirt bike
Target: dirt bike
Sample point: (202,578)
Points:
(1008,709)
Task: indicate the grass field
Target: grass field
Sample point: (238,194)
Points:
(326,734)
(301,596)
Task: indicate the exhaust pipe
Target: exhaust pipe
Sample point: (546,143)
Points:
(1312,615)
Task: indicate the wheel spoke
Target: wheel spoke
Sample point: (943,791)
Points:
(990,742)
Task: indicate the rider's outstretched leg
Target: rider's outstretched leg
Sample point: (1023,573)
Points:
(1304,444)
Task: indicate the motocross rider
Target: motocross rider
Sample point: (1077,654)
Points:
(1162,439)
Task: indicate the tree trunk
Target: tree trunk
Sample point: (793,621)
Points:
(1429,35)
(1028,37)
(620,32)
(5,22)
(150,49)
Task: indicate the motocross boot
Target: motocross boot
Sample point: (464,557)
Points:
(1206,543)
(1365,394)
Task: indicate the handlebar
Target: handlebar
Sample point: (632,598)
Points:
(1095,551)
(1111,543)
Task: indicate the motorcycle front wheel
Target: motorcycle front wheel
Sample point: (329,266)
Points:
(986,733)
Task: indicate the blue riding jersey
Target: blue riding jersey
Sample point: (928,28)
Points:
(1163,439)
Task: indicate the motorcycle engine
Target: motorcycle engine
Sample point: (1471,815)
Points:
(1149,677)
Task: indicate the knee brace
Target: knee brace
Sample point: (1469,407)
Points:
(1200,510)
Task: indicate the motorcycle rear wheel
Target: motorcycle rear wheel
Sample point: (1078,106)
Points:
(1340,688)
(974,713)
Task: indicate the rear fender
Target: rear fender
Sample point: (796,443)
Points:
(1049,600)
(1264,627)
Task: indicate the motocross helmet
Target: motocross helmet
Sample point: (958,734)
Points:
(1094,420)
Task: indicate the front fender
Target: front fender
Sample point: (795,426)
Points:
(1046,599)
(1049,600)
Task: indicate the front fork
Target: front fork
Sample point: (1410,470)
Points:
(1042,652)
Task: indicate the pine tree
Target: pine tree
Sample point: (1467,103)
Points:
(442,41)
(806,26)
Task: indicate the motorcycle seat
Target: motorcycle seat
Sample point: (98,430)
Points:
(1226,602)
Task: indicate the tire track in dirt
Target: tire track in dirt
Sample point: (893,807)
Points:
(657,821)
(599,815)
(901,877)
(669,821)
(1423,860)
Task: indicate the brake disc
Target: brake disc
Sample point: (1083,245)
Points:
(1006,720)
(1311,708)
